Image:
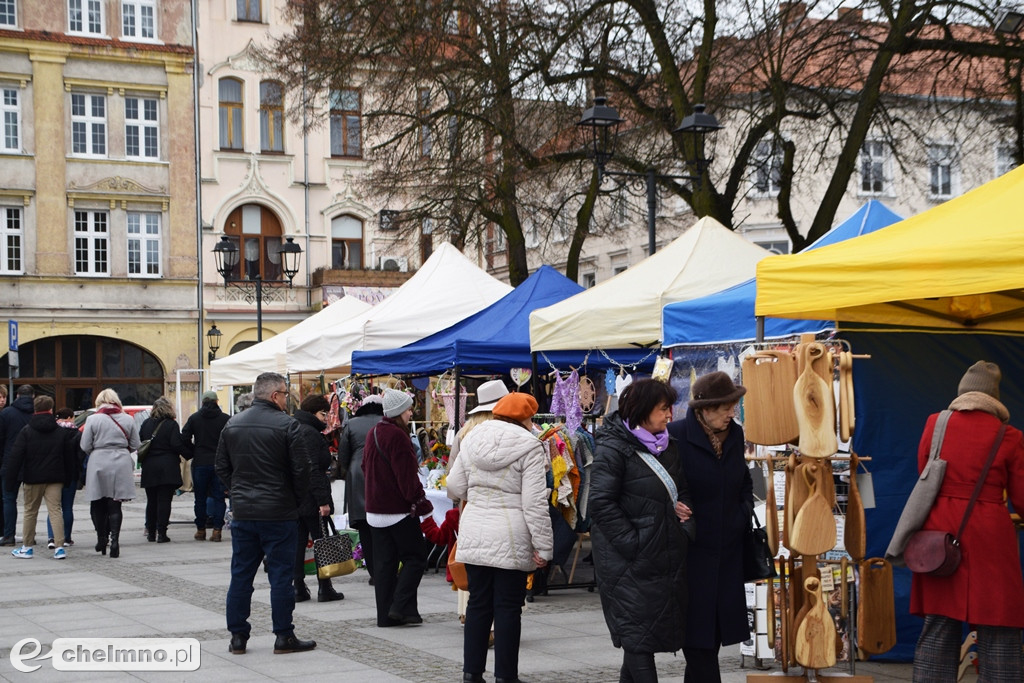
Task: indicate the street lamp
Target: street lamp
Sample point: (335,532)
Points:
(226,255)
(602,123)
(213,336)
(1009,21)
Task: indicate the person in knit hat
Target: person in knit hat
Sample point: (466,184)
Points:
(395,500)
(504,531)
(987,588)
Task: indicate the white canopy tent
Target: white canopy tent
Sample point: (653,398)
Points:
(625,311)
(269,355)
(446,289)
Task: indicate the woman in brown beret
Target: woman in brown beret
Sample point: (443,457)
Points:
(504,531)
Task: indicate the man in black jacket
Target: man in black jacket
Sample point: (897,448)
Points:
(202,430)
(264,465)
(43,458)
(12,419)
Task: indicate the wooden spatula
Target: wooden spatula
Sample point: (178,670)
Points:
(771,513)
(854,536)
(816,635)
(814,529)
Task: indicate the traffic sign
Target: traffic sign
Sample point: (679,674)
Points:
(12,335)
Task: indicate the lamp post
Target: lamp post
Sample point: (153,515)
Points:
(602,123)
(226,255)
(213,336)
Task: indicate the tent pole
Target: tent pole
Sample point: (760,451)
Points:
(759,329)
(534,380)
(458,375)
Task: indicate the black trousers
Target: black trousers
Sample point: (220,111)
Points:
(309,528)
(702,665)
(495,595)
(158,507)
(400,543)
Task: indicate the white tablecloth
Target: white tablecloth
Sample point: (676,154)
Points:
(441,502)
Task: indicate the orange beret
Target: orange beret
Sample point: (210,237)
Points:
(516,406)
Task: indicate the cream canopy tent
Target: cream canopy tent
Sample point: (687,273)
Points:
(243,366)
(626,310)
(446,289)
(959,265)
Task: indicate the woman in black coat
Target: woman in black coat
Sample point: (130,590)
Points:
(318,501)
(711,450)
(161,468)
(640,530)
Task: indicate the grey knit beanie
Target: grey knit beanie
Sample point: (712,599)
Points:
(983,376)
(396,402)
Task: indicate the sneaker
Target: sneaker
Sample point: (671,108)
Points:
(50,544)
(68,543)
(23,552)
(59,554)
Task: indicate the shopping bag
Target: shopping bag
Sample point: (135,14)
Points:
(309,563)
(332,552)
(457,570)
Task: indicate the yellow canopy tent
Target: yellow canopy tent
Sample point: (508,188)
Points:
(958,266)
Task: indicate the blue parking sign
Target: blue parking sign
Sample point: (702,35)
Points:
(12,335)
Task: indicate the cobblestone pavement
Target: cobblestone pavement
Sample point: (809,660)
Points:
(177,590)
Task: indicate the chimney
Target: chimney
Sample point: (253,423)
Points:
(850,14)
(792,12)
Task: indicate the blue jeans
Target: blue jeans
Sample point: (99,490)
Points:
(210,505)
(10,510)
(67,503)
(251,541)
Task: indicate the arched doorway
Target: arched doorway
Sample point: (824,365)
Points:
(74,368)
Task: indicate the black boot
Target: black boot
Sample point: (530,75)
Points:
(114,519)
(326,593)
(301,592)
(98,512)
(285,644)
(161,536)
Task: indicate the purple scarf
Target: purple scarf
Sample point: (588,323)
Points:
(655,443)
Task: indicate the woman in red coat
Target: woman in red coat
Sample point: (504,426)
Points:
(987,589)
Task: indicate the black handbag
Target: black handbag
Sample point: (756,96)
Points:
(332,552)
(758,562)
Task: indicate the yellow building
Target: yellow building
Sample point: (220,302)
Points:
(98,226)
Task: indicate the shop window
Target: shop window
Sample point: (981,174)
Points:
(231,130)
(257,232)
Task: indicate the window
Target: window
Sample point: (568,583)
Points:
(620,262)
(560,228)
(230,93)
(258,231)
(531,233)
(346,243)
(388,219)
(11,108)
(588,280)
(141,129)
(775,246)
(271,117)
(1005,161)
(143,243)
(249,10)
(346,123)
(10,241)
(423,107)
(8,14)
(767,163)
(426,238)
(88,124)
(138,19)
(873,160)
(92,243)
(940,171)
(85,16)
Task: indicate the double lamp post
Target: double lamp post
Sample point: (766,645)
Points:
(602,125)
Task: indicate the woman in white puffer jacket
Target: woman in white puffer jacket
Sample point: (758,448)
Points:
(504,531)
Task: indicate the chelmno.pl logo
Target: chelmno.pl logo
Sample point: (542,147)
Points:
(109,654)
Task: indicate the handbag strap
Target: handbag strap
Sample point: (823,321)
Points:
(938,434)
(981,480)
(327,527)
(662,473)
(121,428)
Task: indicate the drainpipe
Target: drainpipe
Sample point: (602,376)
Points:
(305,188)
(201,319)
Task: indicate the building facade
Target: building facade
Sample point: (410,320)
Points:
(98,249)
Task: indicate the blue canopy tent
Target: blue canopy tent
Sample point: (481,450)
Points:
(728,316)
(492,340)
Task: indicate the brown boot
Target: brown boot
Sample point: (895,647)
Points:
(201,535)
(215,535)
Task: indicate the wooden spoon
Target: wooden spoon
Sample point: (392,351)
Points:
(816,635)
(814,529)
(771,513)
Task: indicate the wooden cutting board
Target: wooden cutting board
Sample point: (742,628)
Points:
(769,416)
(815,641)
(788,507)
(771,512)
(854,536)
(820,360)
(876,615)
(844,398)
(815,408)
(814,528)
(784,607)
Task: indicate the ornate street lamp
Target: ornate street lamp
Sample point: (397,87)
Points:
(226,255)
(213,336)
(602,122)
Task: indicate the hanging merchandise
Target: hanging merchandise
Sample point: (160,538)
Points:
(588,394)
(815,403)
(768,407)
(565,400)
(521,376)
(444,393)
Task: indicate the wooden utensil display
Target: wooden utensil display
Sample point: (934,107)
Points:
(844,597)
(769,416)
(849,391)
(854,535)
(844,398)
(814,528)
(770,612)
(784,607)
(788,510)
(815,407)
(771,512)
(816,634)
(876,610)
